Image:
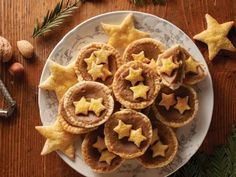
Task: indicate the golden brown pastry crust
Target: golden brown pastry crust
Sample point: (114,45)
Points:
(172,117)
(121,87)
(91,154)
(193,78)
(114,61)
(88,89)
(123,147)
(178,54)
(151,47)
(62,118)
(167,137)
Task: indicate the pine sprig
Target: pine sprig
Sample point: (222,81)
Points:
(222,163)
(55,17)
(143,2)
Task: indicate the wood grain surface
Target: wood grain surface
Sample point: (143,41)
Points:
(20,144)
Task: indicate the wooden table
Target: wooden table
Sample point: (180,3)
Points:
(20,144)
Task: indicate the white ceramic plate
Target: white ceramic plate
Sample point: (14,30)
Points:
(190,137)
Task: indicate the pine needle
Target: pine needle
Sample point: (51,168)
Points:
(55,17)
(221,163)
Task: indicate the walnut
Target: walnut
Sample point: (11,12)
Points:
(5,50)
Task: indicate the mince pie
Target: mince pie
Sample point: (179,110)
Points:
(128,133)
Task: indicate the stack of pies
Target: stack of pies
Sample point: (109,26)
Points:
(126,106)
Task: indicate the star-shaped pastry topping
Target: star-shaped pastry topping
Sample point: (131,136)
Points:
(107,157)
(102,56)
(153,64)
(140,91)
(99,71)
(56,82)
(81,106)
(168,66)
(89,61)
(57,139)
(96,106)
(135,75)
(159,149)
(122,129)
(106,73)
(96,71)
(215,36)
(125,33)
(167,100)
(100,144)
(140,57)
(155,136)
(191,65)
(136,136)
(182,104)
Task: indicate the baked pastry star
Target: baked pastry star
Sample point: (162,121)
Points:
(102,56)
(135,75)
(89,61)
(81,106)
(57,139)
(99,71)
(60,80)
(140,91)
(153,64)
(215,36)
(140,57)
(182,104)
(191,65)
(168,66)
(107,157)
(96,106)
(159,149)
(136,136)
(125,33)
(122,129)
(167,100)
(100,144)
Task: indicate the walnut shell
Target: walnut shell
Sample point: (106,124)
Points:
(5,50)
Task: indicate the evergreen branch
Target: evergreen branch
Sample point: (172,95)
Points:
(219,163)
(55,17)
(222,163)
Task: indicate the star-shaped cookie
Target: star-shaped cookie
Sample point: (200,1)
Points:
(167,100)
(215,36)
(140,91)
(168,66)
(107,157)
(96,106)
(122,35)
(191,65)
(135,75)
(136,136)
(81,106)
(159,149)
(182,104)
(122,129)
(57,139)
(140,57)
(60,80)
(100,144)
